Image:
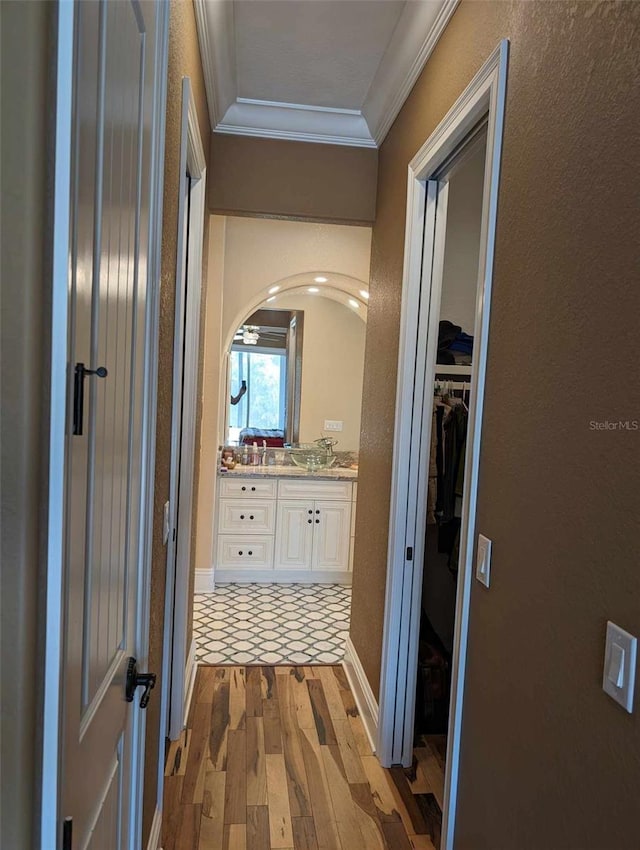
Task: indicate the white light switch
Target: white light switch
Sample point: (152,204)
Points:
(165,525)
(483,562)
(333,425)
(619,675)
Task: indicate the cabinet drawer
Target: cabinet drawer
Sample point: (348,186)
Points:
(251,553)
(295,489)
(250,517)
(248,488)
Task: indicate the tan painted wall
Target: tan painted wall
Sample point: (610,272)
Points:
(332,368)
(547,758)
(273,177)
(26,131)
(184,60)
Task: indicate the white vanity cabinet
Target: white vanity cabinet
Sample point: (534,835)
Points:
(284,529)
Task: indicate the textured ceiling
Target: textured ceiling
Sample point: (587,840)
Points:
(319,52)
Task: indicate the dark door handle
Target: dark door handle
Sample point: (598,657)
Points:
(136,680)
(80,373)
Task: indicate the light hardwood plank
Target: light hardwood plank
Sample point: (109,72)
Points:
(367,815)
(237,698)
(299,801)
(304,834)
(272,728)
(256,769)
(430,768)
(253,685)
(268,683)
(345,812)
(212,821)
(321,716)
(280,828)
(258,837)
(176,763)
(332,693)
(323,814)
(195,771)
(349,751)
(301,699)
(235,837)
(172,810)
(381,790)
(219,726)
(235,792)
(341,678)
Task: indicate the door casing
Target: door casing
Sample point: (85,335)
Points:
(424,241)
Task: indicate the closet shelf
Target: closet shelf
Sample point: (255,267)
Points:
(445,369)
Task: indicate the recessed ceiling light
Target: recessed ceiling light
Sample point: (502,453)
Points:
(273,298)
(313,289)
(321,279)
(354,303)
(364,293)
(273,289)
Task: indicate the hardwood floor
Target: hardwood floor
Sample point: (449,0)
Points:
(276,758)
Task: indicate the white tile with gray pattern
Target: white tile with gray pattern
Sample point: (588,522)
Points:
(272,624)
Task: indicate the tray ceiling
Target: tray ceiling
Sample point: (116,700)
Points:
(334,71)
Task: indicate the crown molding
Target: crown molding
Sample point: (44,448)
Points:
(413,41)
(296,122)
(420,26)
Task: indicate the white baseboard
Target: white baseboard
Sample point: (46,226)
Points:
(204,581)
(362,693)
(283,576)
(155,834)
(189,678)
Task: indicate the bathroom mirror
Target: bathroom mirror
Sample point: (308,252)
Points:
(295,368)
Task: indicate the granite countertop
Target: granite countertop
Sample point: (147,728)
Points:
(333,473)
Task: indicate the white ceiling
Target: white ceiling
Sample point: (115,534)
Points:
(334,71)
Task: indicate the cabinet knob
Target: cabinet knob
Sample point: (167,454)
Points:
(309,521)
(240,553)
(243,489)
(317,521)
(253,489)
(251,517)
(250,553)
(241,516)
(317,512)
(310,511)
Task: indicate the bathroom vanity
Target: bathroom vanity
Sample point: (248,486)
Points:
(284,524)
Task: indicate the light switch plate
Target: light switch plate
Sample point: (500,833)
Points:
(483,560)
(619,675)
(333,425)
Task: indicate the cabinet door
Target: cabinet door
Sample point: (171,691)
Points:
(294,535)
(331,524)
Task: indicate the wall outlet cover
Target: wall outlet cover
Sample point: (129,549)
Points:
(333,425)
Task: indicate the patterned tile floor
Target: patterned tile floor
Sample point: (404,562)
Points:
(272,624)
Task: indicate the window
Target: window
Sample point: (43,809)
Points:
(264,403)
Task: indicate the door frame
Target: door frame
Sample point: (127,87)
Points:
(178,667)
(47,803)
(485,96)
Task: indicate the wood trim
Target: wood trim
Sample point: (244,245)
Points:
(486,94)
(362,693)
(191,668)
(204,581)
(155,833)
(297,576)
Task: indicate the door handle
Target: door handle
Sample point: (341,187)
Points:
(80,373)
(135,680)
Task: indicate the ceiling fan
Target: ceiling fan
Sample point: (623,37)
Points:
(250,334)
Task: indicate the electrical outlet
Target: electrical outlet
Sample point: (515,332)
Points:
(333,425)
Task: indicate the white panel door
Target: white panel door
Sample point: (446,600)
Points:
(294,535)
(331,535)
(114,70)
